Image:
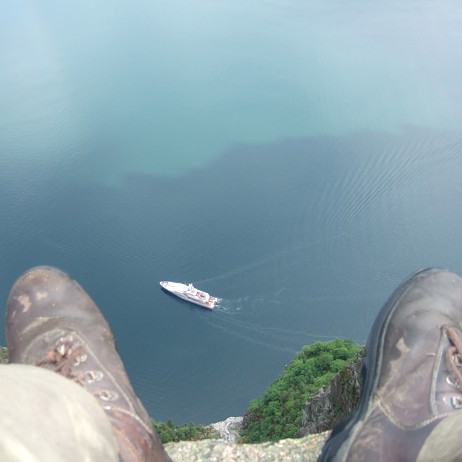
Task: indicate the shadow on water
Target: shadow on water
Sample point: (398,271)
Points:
(303,240)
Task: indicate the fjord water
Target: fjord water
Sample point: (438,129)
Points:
(296,158)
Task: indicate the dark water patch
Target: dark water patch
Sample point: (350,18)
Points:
(303,240)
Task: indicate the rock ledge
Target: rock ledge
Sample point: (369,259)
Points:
(305,449)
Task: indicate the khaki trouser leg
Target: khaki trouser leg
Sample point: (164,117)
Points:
(46,417)
(443,443)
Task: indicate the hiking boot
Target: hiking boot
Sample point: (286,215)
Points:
(413,378)
(53,323)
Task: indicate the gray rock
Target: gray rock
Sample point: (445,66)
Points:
(334,402)
(305,449)
(228,430)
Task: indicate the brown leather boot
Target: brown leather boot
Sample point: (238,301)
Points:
(53,323)
(413,377)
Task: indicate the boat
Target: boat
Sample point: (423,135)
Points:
(189,293)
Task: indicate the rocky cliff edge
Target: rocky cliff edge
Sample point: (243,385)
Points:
(331,405)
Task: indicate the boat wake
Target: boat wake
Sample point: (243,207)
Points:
(231,307)
(237,318)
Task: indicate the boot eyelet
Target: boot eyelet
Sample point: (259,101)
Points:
(80,359)
(64,345)
(107,395)
(456,402)
(93,376)
(450,380)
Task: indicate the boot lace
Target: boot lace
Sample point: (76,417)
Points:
(65,357)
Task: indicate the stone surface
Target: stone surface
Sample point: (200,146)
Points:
(229,429)
(305,449)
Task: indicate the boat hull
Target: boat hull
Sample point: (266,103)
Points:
(184,292)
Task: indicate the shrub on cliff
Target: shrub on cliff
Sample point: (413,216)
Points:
(278,413)
(169,432)
(3,355)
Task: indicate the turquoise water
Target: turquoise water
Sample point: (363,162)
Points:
(295,158)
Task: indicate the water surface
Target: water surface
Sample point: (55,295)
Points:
(296,159)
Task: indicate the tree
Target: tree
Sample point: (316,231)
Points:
(277,414)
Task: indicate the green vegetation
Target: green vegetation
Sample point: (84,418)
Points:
(3,355)
(278,413)
(169,432)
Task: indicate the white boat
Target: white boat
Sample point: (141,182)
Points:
(189,293)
